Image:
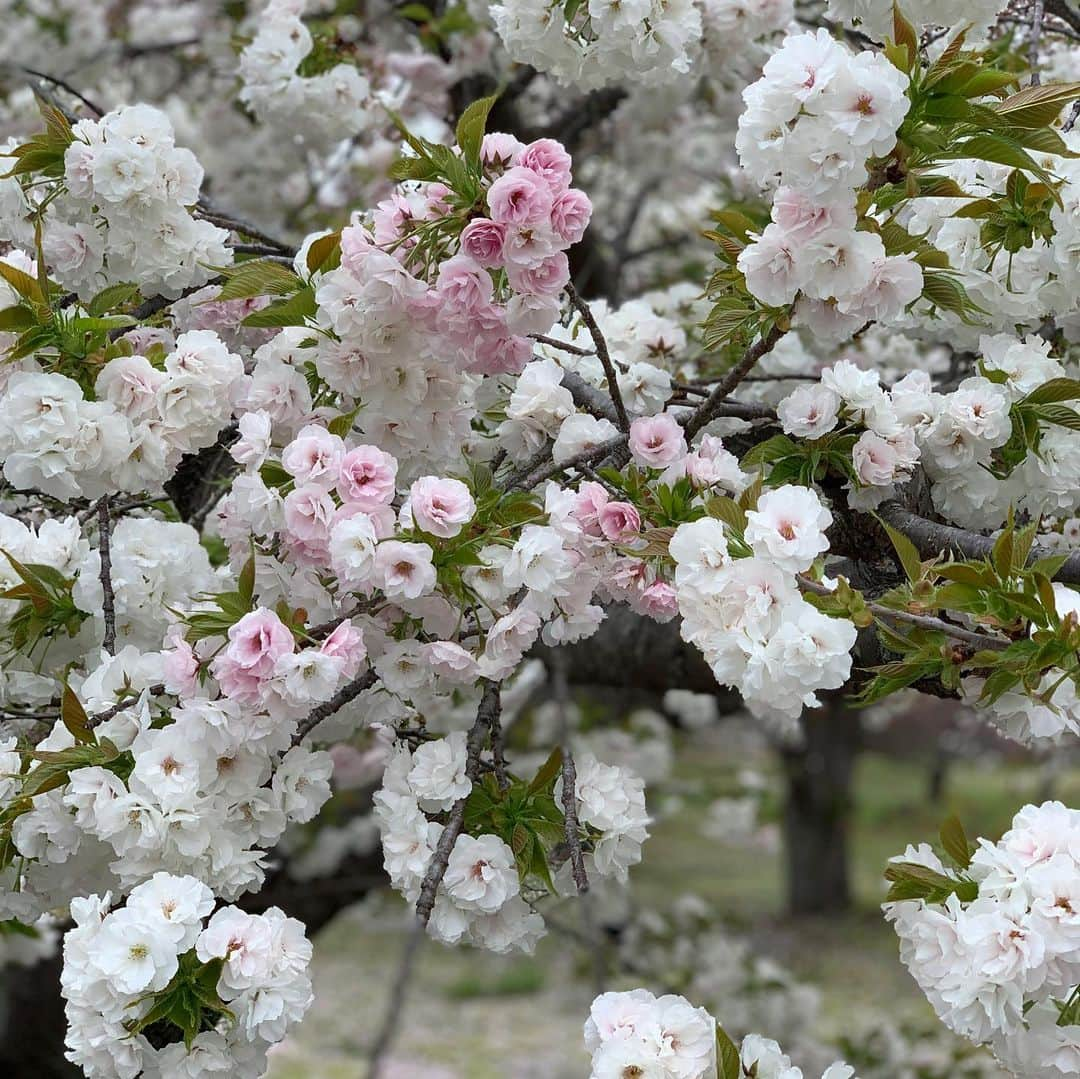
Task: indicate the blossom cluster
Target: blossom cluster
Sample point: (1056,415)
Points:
(333,104)
(130,434)
(746,614)
(953,435)
(812,121)
(997,949)
(485,896)
(132,975)
(637,1033)
(124,213)
(207,792)
(600,42)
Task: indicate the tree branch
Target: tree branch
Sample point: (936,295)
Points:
(396,1003)
(486,715)
(347,693)
(108,596)
(1036,38)
(931,539)
(710,408)
(621,418)
(572,829)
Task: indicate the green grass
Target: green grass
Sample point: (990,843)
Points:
(521,977)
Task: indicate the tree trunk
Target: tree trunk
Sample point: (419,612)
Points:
(817,813)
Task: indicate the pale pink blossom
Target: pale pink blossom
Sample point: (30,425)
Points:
(314,457)
(366,478)
(548,159)
(482,240)
(570,215)
(618,520)
(439,506)
(519,197)
(657,441)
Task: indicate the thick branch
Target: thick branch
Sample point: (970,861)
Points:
(932,539)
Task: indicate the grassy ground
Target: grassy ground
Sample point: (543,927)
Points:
(476,1016)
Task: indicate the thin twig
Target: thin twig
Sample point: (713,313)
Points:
(245,228)
(583,309)
(395,1008)
(490,704)
(1036,39)
(572,828)
(101,717)
(563,346)
(709,409)
(347,693)
(498,752)
(922,621)
(108,596)
(95,109)
(596,453)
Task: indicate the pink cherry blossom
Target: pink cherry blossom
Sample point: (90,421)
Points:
(440,506)
(548,159)
(519,197)
(482,240)
(657,441)
(366,478)
(618,520)
(570,214)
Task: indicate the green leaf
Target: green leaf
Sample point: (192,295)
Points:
(342,424)
(948,294)
(22,283)
(110,297)
(16,319)
(75,718)
(295,311)
(905,34)
(1057,389)
(323,251)
(1060,416)
(955,843)
(547,773)
(727,510)
(906,551)
(471,125)
(256,277)
(728,1061)
(772,449)
(978,208)
(913,881)
(245,584)
(37,159)
(983,81)
(413,168)
(1002,553)
(417,13)
(998,149)
(1038,106)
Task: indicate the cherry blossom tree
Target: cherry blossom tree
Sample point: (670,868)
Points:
(354,360)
